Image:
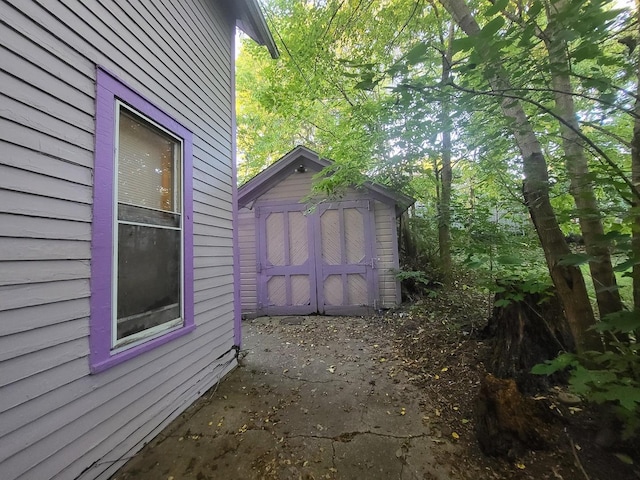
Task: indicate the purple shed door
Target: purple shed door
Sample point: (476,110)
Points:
(286,264)
(316,262)
(345,264)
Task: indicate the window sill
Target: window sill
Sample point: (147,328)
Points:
(124,355)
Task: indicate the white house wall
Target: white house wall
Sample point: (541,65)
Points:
(57,420)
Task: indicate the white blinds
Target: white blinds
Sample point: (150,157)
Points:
(148,165)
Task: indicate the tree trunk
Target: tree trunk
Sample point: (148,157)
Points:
(524,333)
(635,178)
(444,200)
(506,423)
(602,274)
(567,279)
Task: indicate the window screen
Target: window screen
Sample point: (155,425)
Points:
(149,230)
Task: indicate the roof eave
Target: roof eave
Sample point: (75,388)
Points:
(251,21)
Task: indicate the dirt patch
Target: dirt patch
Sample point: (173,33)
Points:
(445,353)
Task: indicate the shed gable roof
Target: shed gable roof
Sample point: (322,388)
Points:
(304,157)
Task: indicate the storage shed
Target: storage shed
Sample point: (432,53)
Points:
(328,256)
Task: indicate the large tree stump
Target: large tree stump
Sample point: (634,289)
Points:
(524,333)
(506,422)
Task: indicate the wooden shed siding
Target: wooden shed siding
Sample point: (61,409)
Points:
(178,55)
(248,260)
(293,188)
(385,248)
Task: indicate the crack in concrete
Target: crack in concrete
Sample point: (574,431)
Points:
(306,380)
(348,436)
(333,457)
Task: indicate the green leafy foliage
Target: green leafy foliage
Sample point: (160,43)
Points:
(361,82)
(610,378)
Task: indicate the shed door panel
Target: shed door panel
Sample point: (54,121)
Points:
(345,264)
(316,262)
(286,267)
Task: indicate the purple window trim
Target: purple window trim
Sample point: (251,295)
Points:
(108,90)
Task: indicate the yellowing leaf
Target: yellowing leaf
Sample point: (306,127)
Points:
(520,466)
(444,369)
(437,377)
(455,435)
(624,458)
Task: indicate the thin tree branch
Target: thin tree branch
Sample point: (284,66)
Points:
(616,137)
(602,154)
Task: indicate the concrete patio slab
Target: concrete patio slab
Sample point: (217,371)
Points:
(313,398)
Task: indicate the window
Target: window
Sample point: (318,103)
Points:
(142,247)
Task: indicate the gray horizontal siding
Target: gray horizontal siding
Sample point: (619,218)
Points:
(19,226)
(21,296)
(130,406)
(37,141)
(43,249)
(248,260)
(40,206)
(56,419)
(48,165)
(28,272)
(49,335)
(17,368)
(25,181)
(40,316)
(80,388)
